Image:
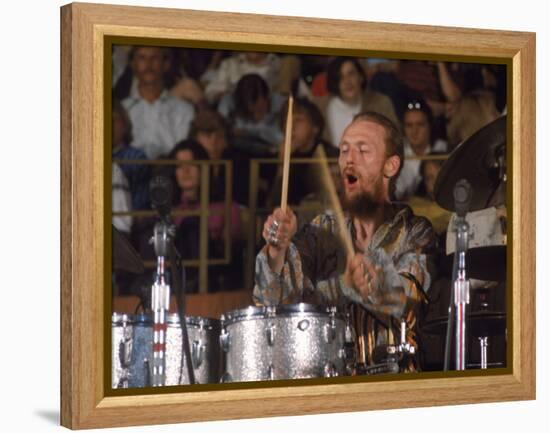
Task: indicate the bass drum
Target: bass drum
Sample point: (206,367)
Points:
(284,342)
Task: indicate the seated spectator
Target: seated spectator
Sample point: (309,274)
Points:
(307,130)
(232,69)
(159,120)
(349,95)
(423,202)
(187,238)
(253,112)
(138,175)
(210,129)
(418,141)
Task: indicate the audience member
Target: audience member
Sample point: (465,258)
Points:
(210,129)
(253,112)
(159,120)
(423,202)
(233,68)
(188,184)
(138,175)
(347,85)
(418,141)
(307,131)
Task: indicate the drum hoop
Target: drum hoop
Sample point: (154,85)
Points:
(289,310)
(207,322)
(171,319)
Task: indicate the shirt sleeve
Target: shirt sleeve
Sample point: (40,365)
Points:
(311,271)
(272,288)
(401,283)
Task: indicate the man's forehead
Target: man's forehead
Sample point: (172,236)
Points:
(364,130)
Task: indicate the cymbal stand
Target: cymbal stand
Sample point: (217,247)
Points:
(461,285)
(461,292)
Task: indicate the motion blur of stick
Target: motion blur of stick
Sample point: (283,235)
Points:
(286,157)
(326,178)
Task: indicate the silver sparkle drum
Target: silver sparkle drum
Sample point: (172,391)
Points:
(203,343)
(284,342)
(122,335)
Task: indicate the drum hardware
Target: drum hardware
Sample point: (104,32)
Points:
(226,378)
(197,353)
(270,334)
(147,373)
(303,324)
(330,370)
(122,336)
(460,297)
(482,325)
(481,160)
(483,345)
(485,323)
(160,189)
(404,347)
(225,342)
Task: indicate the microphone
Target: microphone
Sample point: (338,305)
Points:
(160,190)
(463,196)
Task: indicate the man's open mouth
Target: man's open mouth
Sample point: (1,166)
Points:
(351,179)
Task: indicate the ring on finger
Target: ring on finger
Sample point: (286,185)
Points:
(273,240)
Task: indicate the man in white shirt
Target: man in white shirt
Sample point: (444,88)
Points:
(159,120)
(233,68)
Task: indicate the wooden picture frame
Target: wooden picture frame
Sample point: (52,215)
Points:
(84,28)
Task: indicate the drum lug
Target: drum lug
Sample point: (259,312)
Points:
(330,332)
(226,378)
(330,370)
(197,353)
(270,334)
(225,342)
(303,325)
(271,372)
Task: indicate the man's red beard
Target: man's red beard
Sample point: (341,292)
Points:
(362,204)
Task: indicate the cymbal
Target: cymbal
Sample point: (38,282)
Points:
(478,324)
(482,263)
(125,257)
(481,160)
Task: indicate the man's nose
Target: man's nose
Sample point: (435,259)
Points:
(349,157)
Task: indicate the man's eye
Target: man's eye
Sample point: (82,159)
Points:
(364,149)
(344,148)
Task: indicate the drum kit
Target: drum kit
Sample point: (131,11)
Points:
(301,341)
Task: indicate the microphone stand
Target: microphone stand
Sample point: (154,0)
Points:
(460,289)
(163,240)
(160,302)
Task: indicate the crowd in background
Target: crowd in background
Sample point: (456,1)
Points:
(196,104)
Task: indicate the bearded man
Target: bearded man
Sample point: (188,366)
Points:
(386,280)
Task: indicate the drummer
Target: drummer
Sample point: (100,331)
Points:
(386,280)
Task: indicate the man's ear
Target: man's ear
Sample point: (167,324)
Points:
(391,166)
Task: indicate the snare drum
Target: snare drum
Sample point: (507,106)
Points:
(135,372)
(284,342)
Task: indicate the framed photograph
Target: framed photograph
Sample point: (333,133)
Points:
(178,144)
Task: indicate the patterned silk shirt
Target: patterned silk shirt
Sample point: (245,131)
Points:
(402,251)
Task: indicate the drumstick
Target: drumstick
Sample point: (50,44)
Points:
(286,157)
(326,177)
